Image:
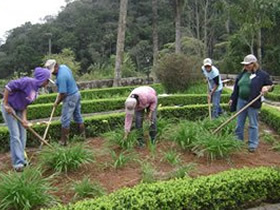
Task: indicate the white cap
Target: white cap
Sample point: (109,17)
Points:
(130,105)
(50,64)
(207,62)
(249,59)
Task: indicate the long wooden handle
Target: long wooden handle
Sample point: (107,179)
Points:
(47,128)
(236,114)
(32,131)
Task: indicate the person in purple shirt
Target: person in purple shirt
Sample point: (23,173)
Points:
(18,94)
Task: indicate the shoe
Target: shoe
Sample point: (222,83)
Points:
(252,150)
(19,169)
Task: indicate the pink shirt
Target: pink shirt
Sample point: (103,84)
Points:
(147,98)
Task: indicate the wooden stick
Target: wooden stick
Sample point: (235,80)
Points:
(47,128)
(208,99)
(32,131)
(236,114)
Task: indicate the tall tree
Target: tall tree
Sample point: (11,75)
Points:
(155,31)
(120,41)
(178,12)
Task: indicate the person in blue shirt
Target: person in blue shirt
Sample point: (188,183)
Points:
(70,95)
(215,84)
(249,84)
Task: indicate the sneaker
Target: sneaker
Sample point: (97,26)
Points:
(19,169)
(252,150)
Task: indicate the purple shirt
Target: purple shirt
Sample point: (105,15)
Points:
(24,91)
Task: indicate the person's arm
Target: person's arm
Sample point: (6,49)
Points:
(268,85)
(24,119)
(152,108)
(7,107)
(127,124)
(59,98)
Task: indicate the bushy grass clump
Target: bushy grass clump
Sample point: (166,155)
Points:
(26,190)
(64,159)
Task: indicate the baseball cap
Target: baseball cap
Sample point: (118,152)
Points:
(207,62)
(249,59)
(130,105)
(50,64)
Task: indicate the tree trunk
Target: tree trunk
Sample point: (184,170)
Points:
(155,31)
(120,42)
(259,51)
(178,26)
(197,21)
(205,28)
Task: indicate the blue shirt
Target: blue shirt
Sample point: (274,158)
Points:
(211,75)
(65,81)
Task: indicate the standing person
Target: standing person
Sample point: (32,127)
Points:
(141,99)
(215,84)
(70,95)
(18,94)
(249,84)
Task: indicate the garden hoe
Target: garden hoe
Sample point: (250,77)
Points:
(236,114)
(209,99)
(33,131)
(47,128)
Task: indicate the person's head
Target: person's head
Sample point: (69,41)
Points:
(207,63)
(52,65)
(42,75)
(250,63)
(130,105)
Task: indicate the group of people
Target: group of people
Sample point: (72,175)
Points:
(20,93)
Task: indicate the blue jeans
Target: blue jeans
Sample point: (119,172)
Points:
(252,114)
(17,138)
(216,98)
(71,107)
(139,117)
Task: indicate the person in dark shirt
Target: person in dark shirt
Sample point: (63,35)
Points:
(249,84)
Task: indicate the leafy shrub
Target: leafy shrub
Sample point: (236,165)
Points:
(177,72)
(26,190)
(64,159)
(87,189)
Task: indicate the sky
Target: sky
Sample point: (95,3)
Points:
(14,13)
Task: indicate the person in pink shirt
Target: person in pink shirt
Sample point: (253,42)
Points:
(141,99)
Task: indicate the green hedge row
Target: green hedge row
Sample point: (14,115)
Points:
(273,96)
(233,189)
(97,93)
(271,116)
(40,111)
(100,124)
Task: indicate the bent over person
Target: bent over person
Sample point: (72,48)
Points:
(141,99)
(215,84)
(18,94)
(70,96)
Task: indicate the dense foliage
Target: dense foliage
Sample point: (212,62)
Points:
(221,29)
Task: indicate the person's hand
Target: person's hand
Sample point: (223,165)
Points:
(25,123)
(125,135)
(8,109)
(230,102)
(265,89)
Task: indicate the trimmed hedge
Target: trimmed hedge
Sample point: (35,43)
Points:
(100,124)
(40,111)
(97,93)
(273,96)
(271,116)
(233,189)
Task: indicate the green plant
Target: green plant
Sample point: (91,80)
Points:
(26,190)
(64,159)
(182,171)
(216,146)
(269,138)
(172,157)
(276,147)
(148,173)
(87,189)
(119,160)
(117,138)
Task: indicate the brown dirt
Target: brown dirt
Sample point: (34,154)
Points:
(130,175)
